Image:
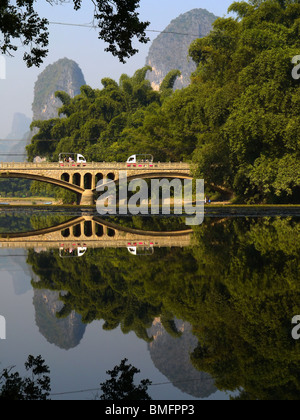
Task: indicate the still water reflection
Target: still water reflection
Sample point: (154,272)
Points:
(203,313)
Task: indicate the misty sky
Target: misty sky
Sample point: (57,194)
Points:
(83,46)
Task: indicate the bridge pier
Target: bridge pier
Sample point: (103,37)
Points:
(87,198)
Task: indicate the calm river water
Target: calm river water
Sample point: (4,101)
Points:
(203,313)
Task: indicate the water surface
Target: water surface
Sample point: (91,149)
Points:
(203,315)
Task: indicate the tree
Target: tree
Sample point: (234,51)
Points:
(117,20)
(248,106)
(100,117)
(121,386)
(15,388)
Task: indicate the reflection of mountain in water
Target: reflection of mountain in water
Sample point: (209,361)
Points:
(65,333)
(171,356)
(13,261)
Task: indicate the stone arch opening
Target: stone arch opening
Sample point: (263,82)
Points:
(99,178)
(88,230)
(111,232)
(88,181)
(77,179)
(65,177)
(110,176)
(99,230)
(77,231)
(65,233)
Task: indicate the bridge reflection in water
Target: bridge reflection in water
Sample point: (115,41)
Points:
(75,236)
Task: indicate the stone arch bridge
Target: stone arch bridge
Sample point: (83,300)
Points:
(93,232)
(83,178)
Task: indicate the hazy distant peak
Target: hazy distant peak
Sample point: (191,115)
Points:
(20,126)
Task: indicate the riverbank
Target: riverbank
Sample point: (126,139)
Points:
(27,201)
(210,210)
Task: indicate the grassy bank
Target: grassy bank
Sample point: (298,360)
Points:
(27,201)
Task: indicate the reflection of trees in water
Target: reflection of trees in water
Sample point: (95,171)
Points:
(249,297)
(171,356)
(237,287)
(95,288)
(14,222)
(25,221)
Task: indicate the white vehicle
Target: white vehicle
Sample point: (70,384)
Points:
(140,161)
(69,252)
(71,159)
(141,249)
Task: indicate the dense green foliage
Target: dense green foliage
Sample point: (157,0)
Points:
(238,286)
(237,121)
(107,124)
(35,387)
(121,386)
(15,188)
(22,188)
(18,222)
(41,189)
(249,101)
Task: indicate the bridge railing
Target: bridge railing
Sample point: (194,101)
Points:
(93,165)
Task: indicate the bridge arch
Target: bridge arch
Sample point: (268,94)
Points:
(59,183)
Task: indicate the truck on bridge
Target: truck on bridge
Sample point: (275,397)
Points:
(140,161)
(135,161)
(71,159)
